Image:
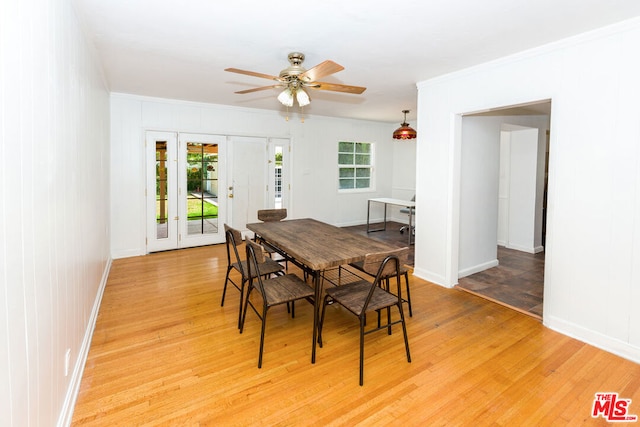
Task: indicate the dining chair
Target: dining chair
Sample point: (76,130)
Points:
(364,296)
(273,215)
(404,271)
(233,239)
(277,290)
(270,215)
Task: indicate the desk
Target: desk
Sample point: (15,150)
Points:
(316,246)
(388,201)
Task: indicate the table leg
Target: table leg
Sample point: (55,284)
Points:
(385,218)
(316,312)
(410,229)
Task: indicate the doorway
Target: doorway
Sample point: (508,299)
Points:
(503,169)
(197,182)
(258,178)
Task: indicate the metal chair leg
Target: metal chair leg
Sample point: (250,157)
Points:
(264,324)
(404,332)
(361,350)
(224,289)
(406,278)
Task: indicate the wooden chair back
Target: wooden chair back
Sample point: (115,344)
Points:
(255,256)
(233,239)
(374,261)
(272,215)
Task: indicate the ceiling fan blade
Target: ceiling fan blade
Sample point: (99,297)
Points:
(337,87)
(256,89)
(321,70)
(252,73)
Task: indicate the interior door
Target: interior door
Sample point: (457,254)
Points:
(184,175)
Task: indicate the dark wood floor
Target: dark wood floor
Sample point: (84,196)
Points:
(390,235)
(517,282)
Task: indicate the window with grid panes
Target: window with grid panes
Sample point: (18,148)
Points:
(355,165)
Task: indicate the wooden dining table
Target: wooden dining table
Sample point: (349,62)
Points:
(316,246)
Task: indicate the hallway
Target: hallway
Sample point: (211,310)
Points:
(517,282)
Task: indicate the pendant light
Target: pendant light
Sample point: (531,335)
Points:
(405,131)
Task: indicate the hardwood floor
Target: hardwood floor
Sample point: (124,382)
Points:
(165,353)
(518,282)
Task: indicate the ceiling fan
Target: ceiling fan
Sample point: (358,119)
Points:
(295,78)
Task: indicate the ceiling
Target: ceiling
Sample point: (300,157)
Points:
(179,49)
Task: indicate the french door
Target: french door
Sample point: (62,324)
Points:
(185,176)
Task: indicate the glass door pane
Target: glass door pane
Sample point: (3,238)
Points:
(162,196)
(201,207)
(278,173)
(202,188)
(162,190)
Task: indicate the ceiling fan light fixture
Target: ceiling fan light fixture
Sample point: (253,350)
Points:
(295,77)
(303,98)
(405,131)
(286,97)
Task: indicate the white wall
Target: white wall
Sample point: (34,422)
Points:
(314,157)
(54,207)
(592,273)
(404,175)
(479,187)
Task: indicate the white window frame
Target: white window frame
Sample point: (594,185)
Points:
(370,166)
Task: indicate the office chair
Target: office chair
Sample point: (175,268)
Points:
(412,213)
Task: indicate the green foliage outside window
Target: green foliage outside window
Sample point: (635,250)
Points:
(355,165)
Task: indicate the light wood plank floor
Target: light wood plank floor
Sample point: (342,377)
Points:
(165,353)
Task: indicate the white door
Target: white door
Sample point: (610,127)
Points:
(247,179)
(184,175)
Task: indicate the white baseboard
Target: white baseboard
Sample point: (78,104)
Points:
(477,268)
(128,253)
(66,414)
(430,277)
(596,339)
(529,250)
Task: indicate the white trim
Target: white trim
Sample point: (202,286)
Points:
(529,250)
(597,339)
(432,278)
(66,413)
(478,268)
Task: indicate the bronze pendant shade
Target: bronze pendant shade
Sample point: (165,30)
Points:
(405,131)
